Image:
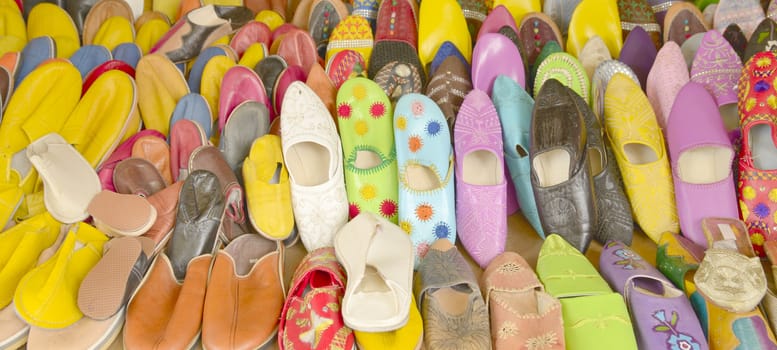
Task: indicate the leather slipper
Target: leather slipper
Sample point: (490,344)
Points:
(117,214)
(108,286)
(137,176)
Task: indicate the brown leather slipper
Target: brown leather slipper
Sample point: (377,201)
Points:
(118,214)
(111,283)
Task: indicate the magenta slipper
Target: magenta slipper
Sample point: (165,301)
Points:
(495,54)
(239,84)
(480,181)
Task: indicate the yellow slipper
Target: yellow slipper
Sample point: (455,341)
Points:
(171,8)
(150,33)
(271,18)
(268,191)
(519,8)
(101,12)
(51,20)
(115,31)
(441,21)
(20,247)
(159,85)
(595,17)
(96,127)
(253,54)
(638,145)
(210,85)
(409,337)
(13,34)
(40,105)
(47,296)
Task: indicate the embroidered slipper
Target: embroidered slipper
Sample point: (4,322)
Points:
(315,297)
(323,18)
(593,314)
(566,69)
(448,86)
(638,14)
(730,233)
(522,313)
(365,118)
(345,65)
(659,310)
(535,30)
(426,176)
(352,33)
(450,301)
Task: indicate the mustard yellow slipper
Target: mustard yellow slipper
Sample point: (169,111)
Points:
(47,19)
(160,85)
(95,128)
(115,31)
(210,85)
(441,21)
(409,337)
(47,295)
(13,34)
(20,247)
(150,32)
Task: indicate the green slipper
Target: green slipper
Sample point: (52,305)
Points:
(597,322)
(365,118)
(566,272)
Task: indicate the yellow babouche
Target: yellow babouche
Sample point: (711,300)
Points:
(440,21)
(595,17)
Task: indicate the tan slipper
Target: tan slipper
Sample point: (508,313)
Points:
(117,214)
(111,283)
(522,313)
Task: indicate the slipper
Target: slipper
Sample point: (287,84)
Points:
(128,53)
(448,295)
(194,107)
(160,85)
(122,152)
(315,298)
(522,313)
(377,256)
(109,285)
(69,182)
(115,31)
(247,122)
(742,294)
(730,233)
(197,68)
(639,54)
(514,107)
(6,87)
(410,336)
(251,33)
(480,178)
(638,14)
(319,82)
(96,128)
(212,78)
(100,12)
(233,222)
(119,215)
(658,309)
(448,86)
(46,296)
(593,54)
(401,77)
(322,19)
(314,159)
(253,54)
(593,315)
(239,84)
(47,19)
(106,66)
(137,176)
(298,49)
(667,76)
(165,202)
(14,331)
(427,204)
(365,118)
(157,152)
(352,33)
(269,69)
(495,54)
(88,57)
(444,21)
(447,49)
(14,33)
(566,69)
(20,247)
(185,136)
(36,52)
(498,17)
(288,76)
(344,65)
(595,18)
(535,30)
(266,177)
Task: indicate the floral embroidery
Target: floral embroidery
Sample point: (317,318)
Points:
(344,111)
(507,330)
(388,208)
(676,340)
(353,210)
(406,226)
(761,210)
(359,92)
(543,341)
(414,143)
(424,212)
(368,192)
(422,249)
(629,260)
(418,108)
(761,86)
(401,123)
(377,110)
(361,128)
(441,230)
(433,128)
(748,192)
(509,268)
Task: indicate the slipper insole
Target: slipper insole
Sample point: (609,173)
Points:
(421,178)
(704,165)
(482,168)
(637,153)
(595,161)
(366,159)
(308,163)
(452,301)
(763,149)
(552,167)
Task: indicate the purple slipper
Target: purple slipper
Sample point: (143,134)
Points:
(639,54)
(660,312)
(495,54)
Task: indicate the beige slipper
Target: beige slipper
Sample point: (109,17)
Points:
(118,214)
